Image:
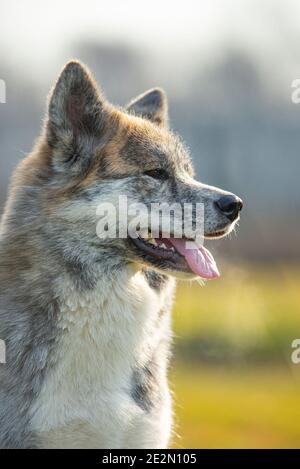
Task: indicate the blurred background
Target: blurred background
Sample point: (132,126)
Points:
(227,67)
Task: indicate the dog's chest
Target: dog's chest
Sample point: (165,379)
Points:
(103,336)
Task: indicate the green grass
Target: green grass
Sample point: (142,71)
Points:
(253,313)
(233,381)
(237,408)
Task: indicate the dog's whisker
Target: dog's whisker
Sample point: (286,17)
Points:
(200,281)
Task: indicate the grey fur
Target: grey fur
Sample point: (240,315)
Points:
(28,326)
(145,389)
(155,279)
(88,150)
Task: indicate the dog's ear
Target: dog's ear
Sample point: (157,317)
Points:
(76,113)
(151,105)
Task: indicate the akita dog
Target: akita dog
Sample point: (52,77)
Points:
(85,319)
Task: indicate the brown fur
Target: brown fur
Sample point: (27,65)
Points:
(52,261)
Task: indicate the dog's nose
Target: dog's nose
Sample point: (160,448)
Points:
(229,205)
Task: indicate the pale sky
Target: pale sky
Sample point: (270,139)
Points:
(35,33)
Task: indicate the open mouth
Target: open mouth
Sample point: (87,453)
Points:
(179,254)
(216,234)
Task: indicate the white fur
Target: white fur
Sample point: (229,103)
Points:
(85,400)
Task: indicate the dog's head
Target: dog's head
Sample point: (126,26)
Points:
(93,154)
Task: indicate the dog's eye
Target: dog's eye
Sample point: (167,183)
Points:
(158,173)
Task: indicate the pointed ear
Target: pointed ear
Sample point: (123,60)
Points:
(75,112)
(151,105)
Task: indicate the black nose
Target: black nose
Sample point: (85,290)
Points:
(229,205)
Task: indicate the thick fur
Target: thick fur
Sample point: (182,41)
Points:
(86,321)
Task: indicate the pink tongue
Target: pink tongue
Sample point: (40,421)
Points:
(198,258)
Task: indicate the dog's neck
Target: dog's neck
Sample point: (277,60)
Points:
(106,333)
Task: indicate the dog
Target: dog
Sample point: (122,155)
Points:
(86,319)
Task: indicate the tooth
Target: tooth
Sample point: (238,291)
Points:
(163,246)
(152,241)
